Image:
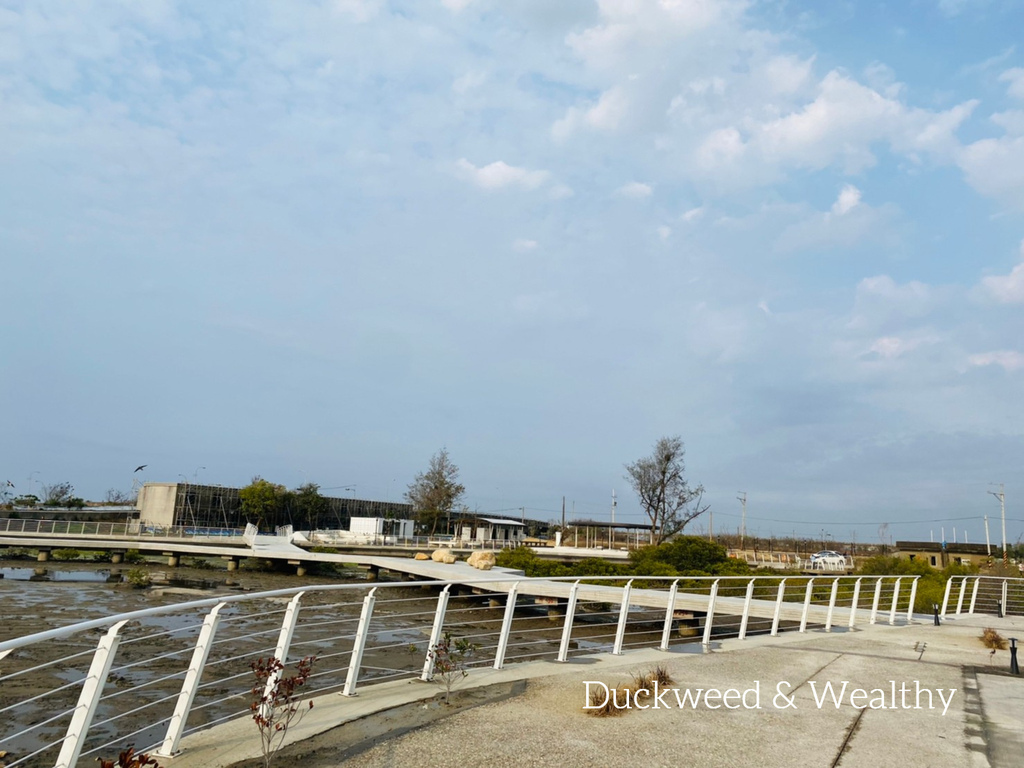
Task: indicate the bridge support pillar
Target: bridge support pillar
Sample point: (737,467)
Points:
(232,563)
(173,560)
(300,569)
(116,557)
(43,556)
(373,573)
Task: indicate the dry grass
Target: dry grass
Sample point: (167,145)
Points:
(614,705)
(992,639)
(662,676)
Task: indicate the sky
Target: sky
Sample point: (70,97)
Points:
(320,241)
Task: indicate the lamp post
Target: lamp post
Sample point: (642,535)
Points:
(195,475)
(32,474)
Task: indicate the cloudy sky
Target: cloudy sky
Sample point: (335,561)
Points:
(321,240)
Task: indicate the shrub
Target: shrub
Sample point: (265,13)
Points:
(138,578)
(66,554)
(275,710)
(992,639)
(128,759)
(609,703)
(450,657)
(134,557)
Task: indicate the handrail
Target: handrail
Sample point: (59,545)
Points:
(720,605)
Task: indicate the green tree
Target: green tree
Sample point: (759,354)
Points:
(660,484)
(263,502)
(687,556)
(309,508)
(434,493)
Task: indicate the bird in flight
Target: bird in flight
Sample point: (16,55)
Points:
(140,467)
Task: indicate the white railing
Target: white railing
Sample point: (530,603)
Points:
(96,529)
(983,594)
(332,538)
(160,674)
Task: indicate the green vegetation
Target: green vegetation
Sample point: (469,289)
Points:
(134,557)
(138,577)
(682,556)
(66,554)
(930,587)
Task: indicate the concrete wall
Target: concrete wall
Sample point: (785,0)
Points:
(156,503)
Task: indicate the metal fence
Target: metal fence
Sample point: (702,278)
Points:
(983,594)
(133,529)
(159,674)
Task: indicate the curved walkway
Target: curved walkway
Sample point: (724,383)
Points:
(982,726)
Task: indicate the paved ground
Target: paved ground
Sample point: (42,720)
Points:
(545,726)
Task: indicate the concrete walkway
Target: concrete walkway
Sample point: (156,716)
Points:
(982,726)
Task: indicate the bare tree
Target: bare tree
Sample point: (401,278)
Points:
(666,498)
(434,493)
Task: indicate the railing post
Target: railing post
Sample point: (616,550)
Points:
(913,599)
(188,688)
(807,604)
(895,598)
(778,607)
(435,633)
(832,604)
(1006,607)
(359,645)
(960,600)
(974,595)
(875,600)
(570,612)
(746,609)
(710,620)
(620,630)
(945,597)
(284,641)
(506,626)
(670,609)
(89,699)
(853,603)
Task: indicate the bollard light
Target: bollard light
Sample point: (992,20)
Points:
(1014,668)
(999,609)
(935,611)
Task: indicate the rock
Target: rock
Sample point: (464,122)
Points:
(443,556)
(421,556)
(482,560)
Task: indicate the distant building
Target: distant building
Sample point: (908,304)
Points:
(215,506)
(939,556)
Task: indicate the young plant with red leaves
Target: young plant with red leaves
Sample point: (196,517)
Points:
(275,706)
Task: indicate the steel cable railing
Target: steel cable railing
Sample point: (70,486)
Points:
(387,633)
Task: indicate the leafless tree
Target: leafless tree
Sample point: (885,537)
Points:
(434,493)
(660,483)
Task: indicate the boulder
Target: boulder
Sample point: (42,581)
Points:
(421,556)
(482,560)
(443,556)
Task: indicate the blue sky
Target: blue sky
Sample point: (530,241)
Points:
(321,240)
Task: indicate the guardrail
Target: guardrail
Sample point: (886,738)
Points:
(983,594)
(134,529)
(160,674)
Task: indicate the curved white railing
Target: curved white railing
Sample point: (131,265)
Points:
(159,674)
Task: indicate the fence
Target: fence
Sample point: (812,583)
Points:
(983,594)
(98,529)
(160,674)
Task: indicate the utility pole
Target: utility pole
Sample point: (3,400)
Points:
(563,516)
(743,523)
(613,506)
(988,543)
(1002,510)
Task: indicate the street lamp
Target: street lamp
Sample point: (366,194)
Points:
(195,475)
(30,476)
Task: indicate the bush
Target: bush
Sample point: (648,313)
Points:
(66,554)
(134,557)
(138,578)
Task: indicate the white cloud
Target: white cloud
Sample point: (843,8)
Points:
(469,82)
(360,11)
(523,245)
(995,167)
(457,6)
(694,214)
(664,232)
(1007,359)
(1008,289)
(635,189)
(892,347)
(1015,78)
(499,174)
(560,192)
(849,198)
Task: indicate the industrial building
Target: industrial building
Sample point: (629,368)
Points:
(216,506)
